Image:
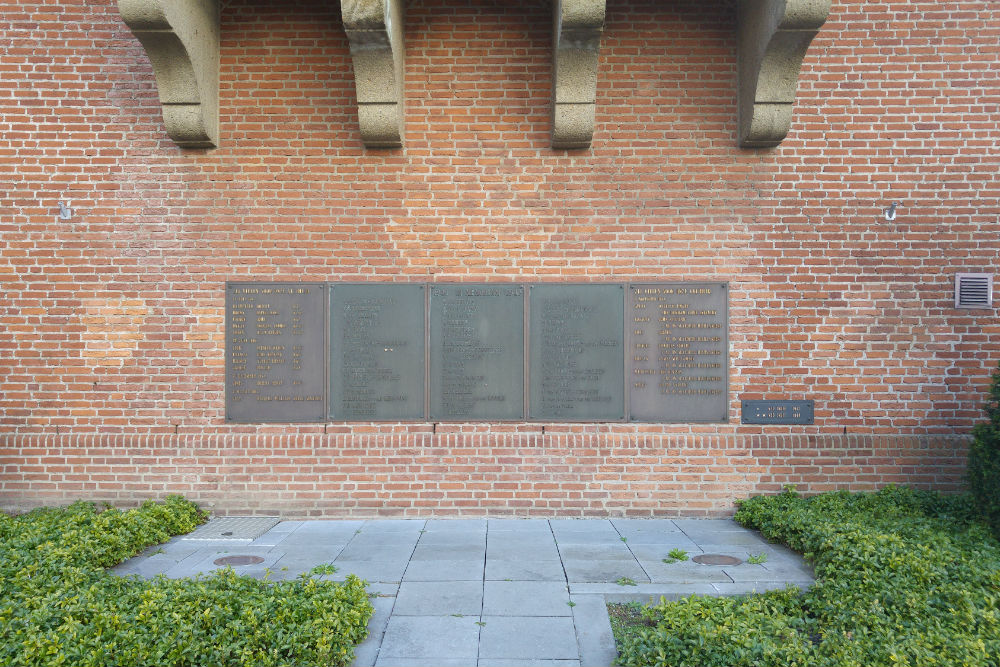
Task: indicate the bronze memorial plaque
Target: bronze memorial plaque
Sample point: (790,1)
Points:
(476,352)
(275,352)
(575,351)
(376,352)
(777,412)
(678,352)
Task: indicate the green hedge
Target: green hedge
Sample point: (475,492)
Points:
(984,460)
(903,578)
(58,605)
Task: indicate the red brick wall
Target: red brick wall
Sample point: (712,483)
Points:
(111,324)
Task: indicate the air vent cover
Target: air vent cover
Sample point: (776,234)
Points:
(973,290)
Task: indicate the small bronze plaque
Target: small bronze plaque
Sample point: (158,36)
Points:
(716,559)
(678,352)
(238,560)
(576,344)
(776,412)
(275,352)
(376,352)
(477,352)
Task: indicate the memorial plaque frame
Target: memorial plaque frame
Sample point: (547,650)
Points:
(718,414)
(313,328)
(785,412)
(437,410)
(485,367)
(610,328)
(374,288)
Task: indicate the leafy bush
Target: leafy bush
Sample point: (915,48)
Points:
(903,578)
(59,606)
(984,460)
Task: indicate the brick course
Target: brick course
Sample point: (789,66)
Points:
(111,323)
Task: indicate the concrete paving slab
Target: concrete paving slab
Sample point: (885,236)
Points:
(726,540)
(744,587)
(514,538)
(302,560)
(387,571)
(444,570)
(525,570)
(581,537)
(593,630)
(393,526)
(750,572)
(383,589)
(526,598)
(507,662)
(644,593)
(708,525)
(456,525)
(394,538)
(528,637)
(450,552)
(358,551)
(676,540)
(637,526)
(452,538)
(436,598)
(684,572)
(609,551)
(422,662)
(430,637)
(657,552)
(594,526)
(521,551)
(316,532)
(603,570)
(521,526)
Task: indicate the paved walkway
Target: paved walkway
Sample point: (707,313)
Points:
(490,592)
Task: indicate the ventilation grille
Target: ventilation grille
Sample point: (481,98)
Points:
(973,290)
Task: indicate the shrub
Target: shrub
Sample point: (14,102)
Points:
(903,578)
(984,460)
(59,606)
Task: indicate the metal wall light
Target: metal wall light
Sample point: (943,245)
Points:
(890,213)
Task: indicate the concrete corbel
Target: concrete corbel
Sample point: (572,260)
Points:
(774,36)
(181,38)
(576,46)
(375,31)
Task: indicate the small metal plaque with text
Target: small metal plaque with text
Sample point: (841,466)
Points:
(776,412)
(275,352)
(376,352)
(477,352)
(576,343)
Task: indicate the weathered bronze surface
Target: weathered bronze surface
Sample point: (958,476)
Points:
(275,352)
(376,352)
(776,412)
(651,352)
(238,560)
(678,352)
(716,559)
(476,352)
(576,346)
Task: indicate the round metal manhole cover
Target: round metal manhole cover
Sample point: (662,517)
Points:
(238,560)
(716,559)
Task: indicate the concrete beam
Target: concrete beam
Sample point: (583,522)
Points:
(181,38)
(774,36)
(375,31)
(576,45)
